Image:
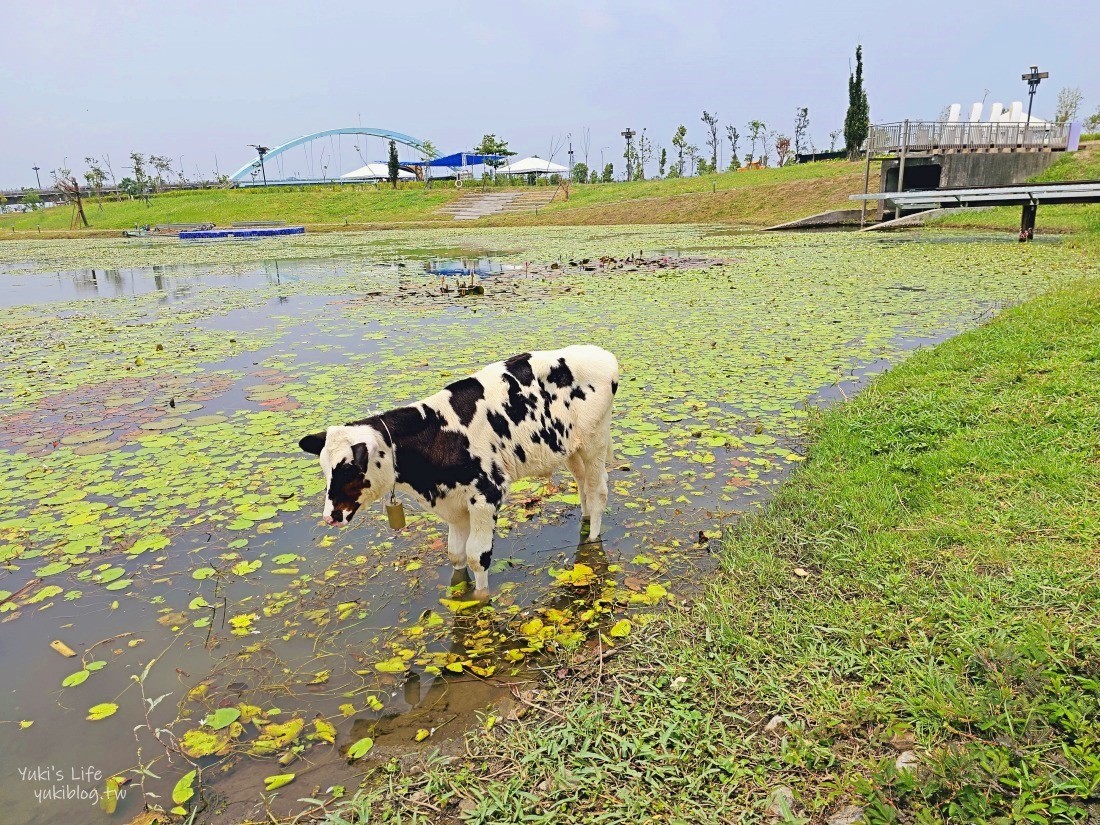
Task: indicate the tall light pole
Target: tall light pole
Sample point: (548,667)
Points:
(570,157)
(261,151)
(36,168)
(1033,77)
(629,133)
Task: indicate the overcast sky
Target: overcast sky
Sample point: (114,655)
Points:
(205,79)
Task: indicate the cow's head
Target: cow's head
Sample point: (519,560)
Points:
(352,463)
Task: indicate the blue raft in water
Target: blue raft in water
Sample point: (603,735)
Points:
(242,232)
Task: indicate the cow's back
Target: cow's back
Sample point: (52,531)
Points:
(542,406)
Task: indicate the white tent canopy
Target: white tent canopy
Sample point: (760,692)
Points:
(376,171)
(530,165)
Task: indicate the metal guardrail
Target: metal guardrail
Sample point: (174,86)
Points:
(932,136)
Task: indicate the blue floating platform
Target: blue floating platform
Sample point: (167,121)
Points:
(242,232)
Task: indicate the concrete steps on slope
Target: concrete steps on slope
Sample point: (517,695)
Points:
(474,205)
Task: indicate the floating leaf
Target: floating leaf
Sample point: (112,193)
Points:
(456,605)
(199,742)
(275,737)
(109,800)
(580,576)
(360,748)
(324,731)
(277,781)
(620,629)
(74,679)
(101,711)
(184,789)
(222,718)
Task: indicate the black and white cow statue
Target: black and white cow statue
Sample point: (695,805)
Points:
(457,451)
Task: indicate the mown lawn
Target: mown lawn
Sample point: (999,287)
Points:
(924,589)
(1080,218)
(356,204)
(757,197)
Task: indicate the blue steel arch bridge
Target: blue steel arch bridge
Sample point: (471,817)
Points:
(362,151)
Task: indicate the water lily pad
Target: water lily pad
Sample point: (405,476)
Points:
(162,424)
(199,742)
(360,748)
(273,782)
(74,679)
(101,711)
(222,718)
(85,436)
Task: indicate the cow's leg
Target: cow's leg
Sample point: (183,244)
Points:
(576,466)
(479,547)
(595,483)
(457,536)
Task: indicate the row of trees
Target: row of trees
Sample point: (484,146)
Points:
(1068,107)
(688,159)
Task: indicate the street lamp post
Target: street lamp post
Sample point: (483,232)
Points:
(261,151)
(1033,77)
(629,135)
(36,168)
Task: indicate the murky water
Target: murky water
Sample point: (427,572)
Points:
(277,612)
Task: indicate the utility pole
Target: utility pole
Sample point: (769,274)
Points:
(261,151)
(36,168)
(629,135)
(570,157)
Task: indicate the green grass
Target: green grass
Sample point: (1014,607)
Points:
(1080,218)
(927,582)
(358,204)
(757,197)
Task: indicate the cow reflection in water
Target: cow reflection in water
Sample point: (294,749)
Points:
(459,696)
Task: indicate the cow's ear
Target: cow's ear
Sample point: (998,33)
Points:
(360,456)
(313,443)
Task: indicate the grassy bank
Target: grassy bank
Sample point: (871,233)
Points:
(310,205)
(757,198)
(923,589)
(1081,218)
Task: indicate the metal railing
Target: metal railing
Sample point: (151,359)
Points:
(932,136)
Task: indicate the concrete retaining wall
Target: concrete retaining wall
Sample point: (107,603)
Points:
(837,217)
(972,169)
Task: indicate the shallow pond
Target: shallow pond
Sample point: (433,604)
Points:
(157,519)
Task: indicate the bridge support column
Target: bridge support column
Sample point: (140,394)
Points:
(1027,221)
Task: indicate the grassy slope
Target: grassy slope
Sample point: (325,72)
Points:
(313,205)
(759,197)
(1081,165)
(927,581)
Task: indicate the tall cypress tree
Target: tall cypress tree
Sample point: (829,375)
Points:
(858,119)
(394,166)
